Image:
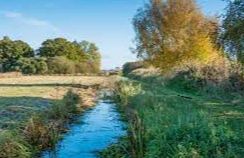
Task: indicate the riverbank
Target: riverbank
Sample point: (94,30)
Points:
(35,110)
(92,131)
(166,120)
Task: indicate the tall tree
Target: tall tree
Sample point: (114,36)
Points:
(171,32)
(92,53)
(12,51)
(233,29)
(61,47)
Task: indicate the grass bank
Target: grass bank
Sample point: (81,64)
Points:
(40,131)
(35,110)
(166,119)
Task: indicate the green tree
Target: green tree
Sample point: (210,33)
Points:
(61,47)
(93,55)
(27,65)
(12,51)
(233,29)
(41,65)
(30,65)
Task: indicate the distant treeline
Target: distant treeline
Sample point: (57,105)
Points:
(55,56)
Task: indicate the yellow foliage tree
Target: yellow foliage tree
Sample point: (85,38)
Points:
(173,32)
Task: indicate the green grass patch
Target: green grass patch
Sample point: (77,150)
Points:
(165,121)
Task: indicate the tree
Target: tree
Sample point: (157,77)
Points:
(12,51)
(233,30)
(172,32)
(41,65)
(92,55)
(61,47)
(27,65)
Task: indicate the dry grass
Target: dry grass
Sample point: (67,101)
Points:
(84,80)
(50,87)
(20,97)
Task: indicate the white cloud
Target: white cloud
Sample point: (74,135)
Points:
(29,20)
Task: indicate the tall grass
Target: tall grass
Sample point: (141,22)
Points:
(162,123)
(12,145)
(41,131)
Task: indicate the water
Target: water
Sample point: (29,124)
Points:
(96,129)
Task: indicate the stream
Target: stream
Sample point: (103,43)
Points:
(95,130)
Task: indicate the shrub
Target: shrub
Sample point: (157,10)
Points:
(60,65)
(81,68)
(40,134)
(41,66)
(130,66)
(43,131)
(71,100)
(237,77)
(24,65)
(30,66)
(63,110)
(123,90)
(58,112)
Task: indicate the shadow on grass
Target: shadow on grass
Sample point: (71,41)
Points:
(16,110)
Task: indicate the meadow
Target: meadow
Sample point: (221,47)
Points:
(22,96)
(49,100)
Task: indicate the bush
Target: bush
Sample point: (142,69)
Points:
(41,66)
(60,65)
(237,77)
(63,110)
(29,66)
(123,90)
(24,65)
(130,66)
(218,77)
(40,134)
(86,67)
(42,131)
(81,68)
(71,100)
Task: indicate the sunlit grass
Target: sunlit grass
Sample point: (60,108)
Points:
(34,109)
(177,123)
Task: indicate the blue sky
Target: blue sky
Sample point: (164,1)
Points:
(105,22)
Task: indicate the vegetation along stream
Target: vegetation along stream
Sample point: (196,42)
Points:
(95,130)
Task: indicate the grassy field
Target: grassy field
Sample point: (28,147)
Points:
(23,96)
(34,110)
(28,80)
(166,120)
